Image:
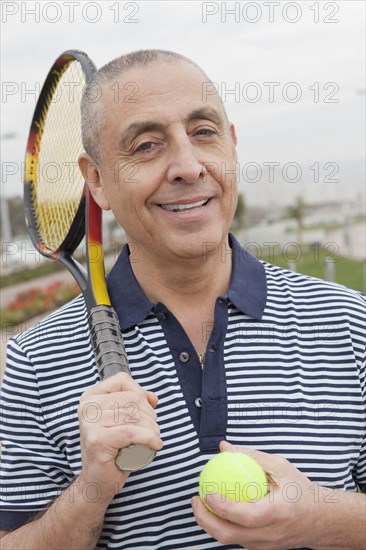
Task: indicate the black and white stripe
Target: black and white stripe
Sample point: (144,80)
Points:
(295,386)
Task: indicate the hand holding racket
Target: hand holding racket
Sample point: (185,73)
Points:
(61,211)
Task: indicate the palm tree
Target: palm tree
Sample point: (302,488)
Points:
(297,212)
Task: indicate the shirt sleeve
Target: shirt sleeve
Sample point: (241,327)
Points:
(34,470)
(360,471)
(358,337)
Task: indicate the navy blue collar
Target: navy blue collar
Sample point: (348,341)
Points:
(248,288)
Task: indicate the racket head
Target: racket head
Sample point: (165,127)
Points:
(54,189)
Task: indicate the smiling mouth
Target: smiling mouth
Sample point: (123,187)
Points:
(183,207)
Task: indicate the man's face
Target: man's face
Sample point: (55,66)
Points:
(168,161)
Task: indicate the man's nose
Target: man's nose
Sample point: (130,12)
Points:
(184,163)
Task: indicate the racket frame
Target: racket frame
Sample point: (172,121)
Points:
(105,333)
(77,229)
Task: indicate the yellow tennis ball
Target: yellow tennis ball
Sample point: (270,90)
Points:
(235,476)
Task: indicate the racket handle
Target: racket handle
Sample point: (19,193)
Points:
(111,358)
(107,342)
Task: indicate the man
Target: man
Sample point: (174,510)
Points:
(224,350)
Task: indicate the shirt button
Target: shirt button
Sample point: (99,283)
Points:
(184,356)
(161,316)
(198,402)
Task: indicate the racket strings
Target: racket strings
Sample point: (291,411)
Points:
(58,186)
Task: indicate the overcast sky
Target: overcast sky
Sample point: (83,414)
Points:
(298,70)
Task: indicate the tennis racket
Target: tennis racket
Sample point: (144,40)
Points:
(60,211)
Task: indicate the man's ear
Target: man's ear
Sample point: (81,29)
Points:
(233,133)
(93,177)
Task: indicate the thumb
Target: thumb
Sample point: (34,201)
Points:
(152,398)
(267,461)
(264,459)
(226,446)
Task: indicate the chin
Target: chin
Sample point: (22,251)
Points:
(198,245)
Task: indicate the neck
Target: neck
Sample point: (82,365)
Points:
(184,281)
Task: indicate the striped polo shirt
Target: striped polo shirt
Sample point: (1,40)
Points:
(284,373)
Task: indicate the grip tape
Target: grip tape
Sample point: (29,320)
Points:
(111,358)
(107,341)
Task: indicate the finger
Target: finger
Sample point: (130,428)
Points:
(119,437)
(122,403)
(248,514)
(118,382)
(122,417)
(220,529)
(229,532)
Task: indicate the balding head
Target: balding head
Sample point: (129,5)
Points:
(92,114)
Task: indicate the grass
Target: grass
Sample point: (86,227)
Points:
(350,273)
(46,268)
(347,272)
(29,274)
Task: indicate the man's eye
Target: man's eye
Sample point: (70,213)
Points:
(205,132)
(147,146)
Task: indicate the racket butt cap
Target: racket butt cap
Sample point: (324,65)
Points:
(134,458)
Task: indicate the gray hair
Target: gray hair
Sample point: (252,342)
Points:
(92,113)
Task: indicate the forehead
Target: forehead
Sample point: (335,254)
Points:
(162,90)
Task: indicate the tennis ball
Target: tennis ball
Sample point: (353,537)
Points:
(235,476)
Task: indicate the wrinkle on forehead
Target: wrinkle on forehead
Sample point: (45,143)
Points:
(156,96)
(159,80)
(120,80)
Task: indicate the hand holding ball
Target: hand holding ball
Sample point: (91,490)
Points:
(235,476)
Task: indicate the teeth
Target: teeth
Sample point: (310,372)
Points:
(182,206)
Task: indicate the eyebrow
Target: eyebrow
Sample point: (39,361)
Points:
(137,128)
